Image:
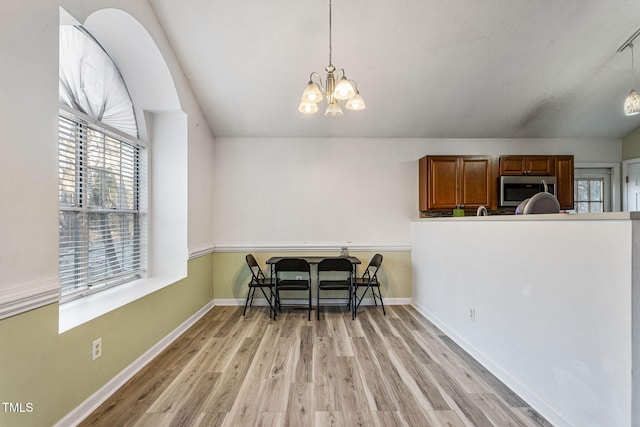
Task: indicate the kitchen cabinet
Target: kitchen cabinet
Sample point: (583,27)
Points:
(446,182)
(559,166)
(527,165)
(564,181)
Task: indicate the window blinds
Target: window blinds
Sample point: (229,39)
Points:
(101,225)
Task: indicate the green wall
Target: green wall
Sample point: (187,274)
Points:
(231,273)
(54,372)
(631,145)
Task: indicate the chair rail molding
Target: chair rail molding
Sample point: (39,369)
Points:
(25,297)
(201,250)
(311,246)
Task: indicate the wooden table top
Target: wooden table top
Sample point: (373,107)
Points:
(313,259)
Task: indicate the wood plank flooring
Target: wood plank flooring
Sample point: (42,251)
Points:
(393,370)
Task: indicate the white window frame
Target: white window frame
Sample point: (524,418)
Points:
(84,285)
(612,189)
(167,224)
(165,126)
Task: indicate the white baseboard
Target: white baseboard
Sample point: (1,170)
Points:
(82,411)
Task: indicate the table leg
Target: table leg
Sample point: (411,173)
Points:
(274,293)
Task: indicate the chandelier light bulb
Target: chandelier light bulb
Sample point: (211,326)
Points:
(344,89)
(333,109)
(312,93)
(356,103)
(308,107)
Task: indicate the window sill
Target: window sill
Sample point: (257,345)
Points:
(75,313)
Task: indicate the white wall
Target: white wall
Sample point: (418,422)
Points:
(299,191)
(28,165)
(553,307)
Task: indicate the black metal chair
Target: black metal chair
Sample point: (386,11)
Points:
(334,274)
(368,280)
(258,281)
(292,274)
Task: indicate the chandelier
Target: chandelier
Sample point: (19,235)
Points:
(344,89)
(632,102)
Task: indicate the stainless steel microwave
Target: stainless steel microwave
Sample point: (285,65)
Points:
(514,189)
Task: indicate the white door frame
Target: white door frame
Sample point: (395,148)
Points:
(625,167)
(615,180)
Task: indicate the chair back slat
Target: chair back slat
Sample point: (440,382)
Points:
(293,265)
(256,271)
(335,264)
(371,272)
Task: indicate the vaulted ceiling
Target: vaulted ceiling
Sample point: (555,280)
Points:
(426,68)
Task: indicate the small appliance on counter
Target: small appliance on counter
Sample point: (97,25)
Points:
(459,211)
(539,203)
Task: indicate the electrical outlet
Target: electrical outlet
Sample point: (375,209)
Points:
(472,314)
(96,349)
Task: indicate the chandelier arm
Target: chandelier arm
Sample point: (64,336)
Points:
(319,82)
(315,74)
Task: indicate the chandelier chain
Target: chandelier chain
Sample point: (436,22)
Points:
(632,71)
(330,32)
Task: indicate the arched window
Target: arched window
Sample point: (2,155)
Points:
(91,83)
(101,171)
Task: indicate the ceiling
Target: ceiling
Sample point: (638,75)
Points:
(426,68)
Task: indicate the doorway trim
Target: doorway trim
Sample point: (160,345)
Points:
(623,180)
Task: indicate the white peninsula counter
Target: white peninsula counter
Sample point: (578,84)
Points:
(548,303)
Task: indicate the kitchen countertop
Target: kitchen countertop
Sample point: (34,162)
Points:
(606,216)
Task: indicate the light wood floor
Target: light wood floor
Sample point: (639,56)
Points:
(377,370)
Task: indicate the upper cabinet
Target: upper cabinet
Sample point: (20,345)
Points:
(450,181)
(527,165)
(446,182)
(564,181)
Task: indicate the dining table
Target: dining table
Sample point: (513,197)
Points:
(312,260)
